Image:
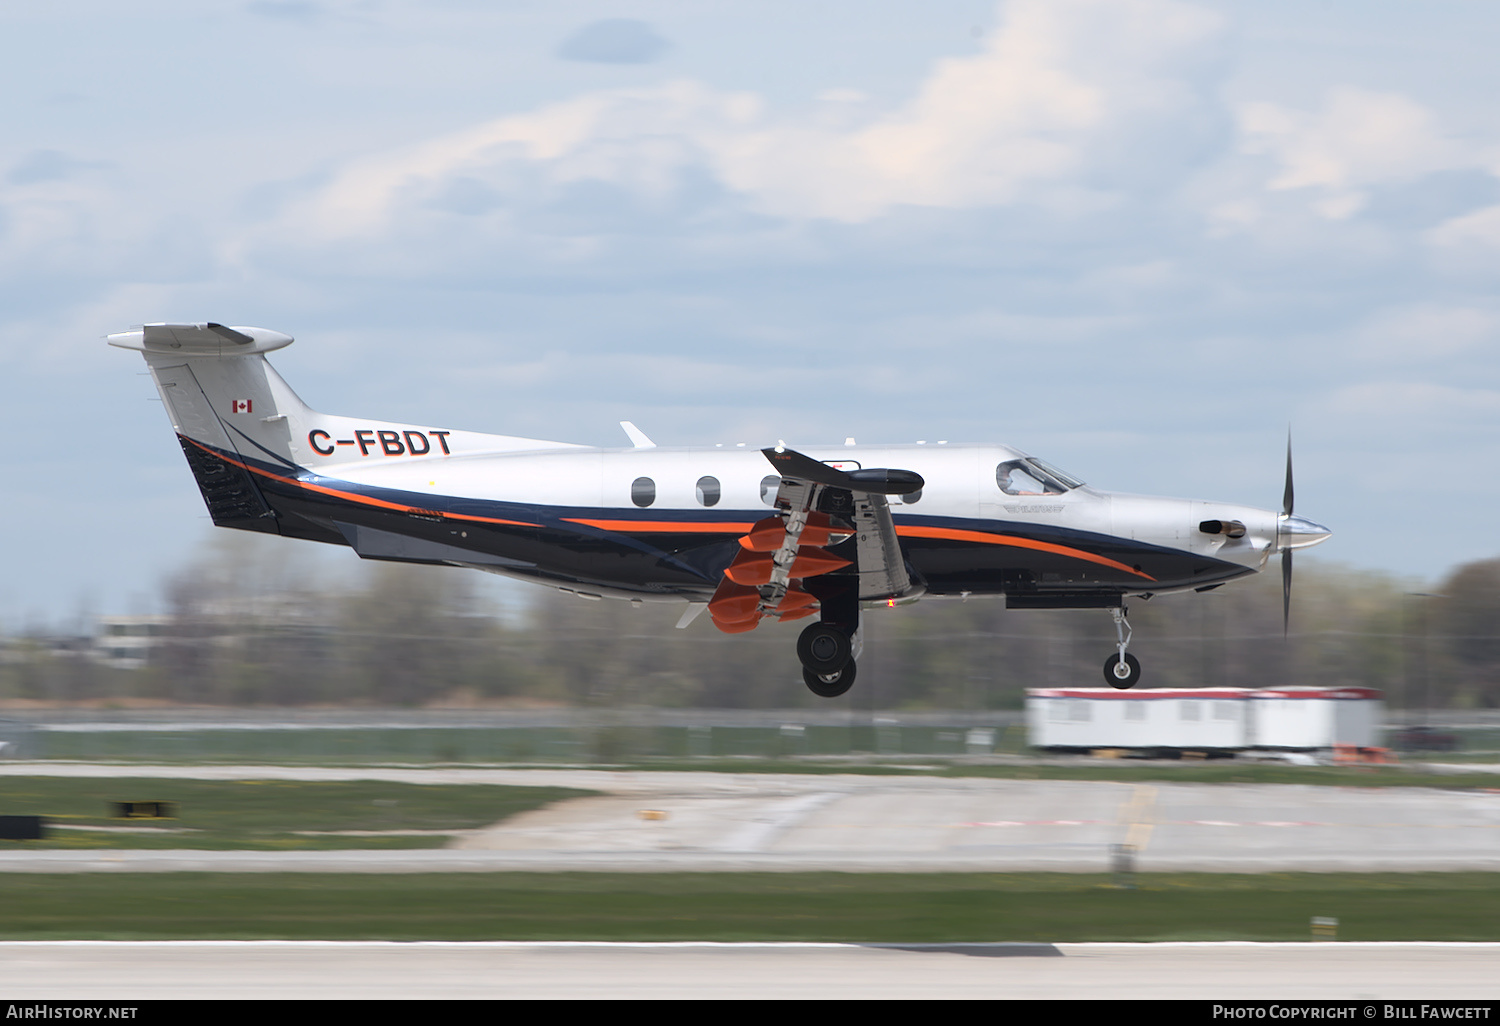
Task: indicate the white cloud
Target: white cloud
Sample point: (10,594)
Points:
(1480,228)
(1399,404)
(1067,96)
(1358,139)
(1424,333)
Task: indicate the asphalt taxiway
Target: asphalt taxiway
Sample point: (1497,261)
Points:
(694,822)
(1362,974)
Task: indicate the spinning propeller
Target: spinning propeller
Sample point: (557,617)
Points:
(1286,553)
(1292,532)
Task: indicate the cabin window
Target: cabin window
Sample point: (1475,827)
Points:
(708,491)
(769,486)
(643,491)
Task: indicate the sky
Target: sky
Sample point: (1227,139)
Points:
(1142,239)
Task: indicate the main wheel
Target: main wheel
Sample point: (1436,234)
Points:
(823,649)
(1122,675)
(830,685)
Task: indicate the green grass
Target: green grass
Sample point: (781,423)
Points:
(260,815)
(748,906)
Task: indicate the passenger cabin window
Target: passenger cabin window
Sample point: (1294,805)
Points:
(1032,477)
(769,486)
(643,491)
(708,491)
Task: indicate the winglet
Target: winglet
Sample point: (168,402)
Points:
(637,436)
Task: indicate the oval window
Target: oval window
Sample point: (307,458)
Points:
(643,491)
(769,486)
(708,491)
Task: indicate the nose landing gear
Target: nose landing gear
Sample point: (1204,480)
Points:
(1122,670)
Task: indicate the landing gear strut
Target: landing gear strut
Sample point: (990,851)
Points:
(1122,670)
(827,649)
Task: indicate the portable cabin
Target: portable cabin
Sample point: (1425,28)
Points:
(1202,719)
(1303,718)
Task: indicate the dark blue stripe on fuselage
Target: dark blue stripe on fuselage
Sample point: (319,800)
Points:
(692,561)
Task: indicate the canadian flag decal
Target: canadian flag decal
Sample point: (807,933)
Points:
(239,406)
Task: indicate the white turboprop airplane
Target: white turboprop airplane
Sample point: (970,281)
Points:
(747,534)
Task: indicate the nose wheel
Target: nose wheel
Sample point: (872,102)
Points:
(1122,670)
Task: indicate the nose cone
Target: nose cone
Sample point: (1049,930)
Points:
(1299,533)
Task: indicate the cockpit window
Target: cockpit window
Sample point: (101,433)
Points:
(1032,477)
(1068,481)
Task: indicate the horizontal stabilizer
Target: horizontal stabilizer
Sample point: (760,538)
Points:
(208,339)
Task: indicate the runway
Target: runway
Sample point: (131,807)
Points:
(698,822)
(1363,974)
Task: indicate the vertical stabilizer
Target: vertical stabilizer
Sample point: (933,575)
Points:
(224,400)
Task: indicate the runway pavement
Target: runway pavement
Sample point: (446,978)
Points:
(1363,974)
(677,822)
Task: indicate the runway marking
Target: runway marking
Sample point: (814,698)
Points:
(1228,823)
(1138,815)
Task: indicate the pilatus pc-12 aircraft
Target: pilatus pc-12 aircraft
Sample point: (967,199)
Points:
(750,535)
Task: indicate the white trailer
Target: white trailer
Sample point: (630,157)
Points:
(1202,719)
(1299,719)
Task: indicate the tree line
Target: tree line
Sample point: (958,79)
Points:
(252,624)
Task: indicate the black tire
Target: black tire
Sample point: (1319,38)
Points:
(824,650)
(1132,675)
(830,685)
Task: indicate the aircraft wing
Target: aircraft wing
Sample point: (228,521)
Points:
(785,569)
(809,487)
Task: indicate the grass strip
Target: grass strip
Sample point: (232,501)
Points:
(1042,907)
(261,815)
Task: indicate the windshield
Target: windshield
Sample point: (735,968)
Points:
(1032,477)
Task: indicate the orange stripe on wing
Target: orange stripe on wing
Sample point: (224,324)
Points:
(985,538)
(363,500)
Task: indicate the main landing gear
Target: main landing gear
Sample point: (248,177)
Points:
(1122,670)
(827,653)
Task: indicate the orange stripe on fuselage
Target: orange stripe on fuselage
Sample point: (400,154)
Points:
(662,526)
(675,527)
(985,538)
(363,500)
(909,531)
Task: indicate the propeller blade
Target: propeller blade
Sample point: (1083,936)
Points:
(1286,496)
(1286,554)
(1286,592)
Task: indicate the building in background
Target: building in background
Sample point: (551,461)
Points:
(1209,720)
